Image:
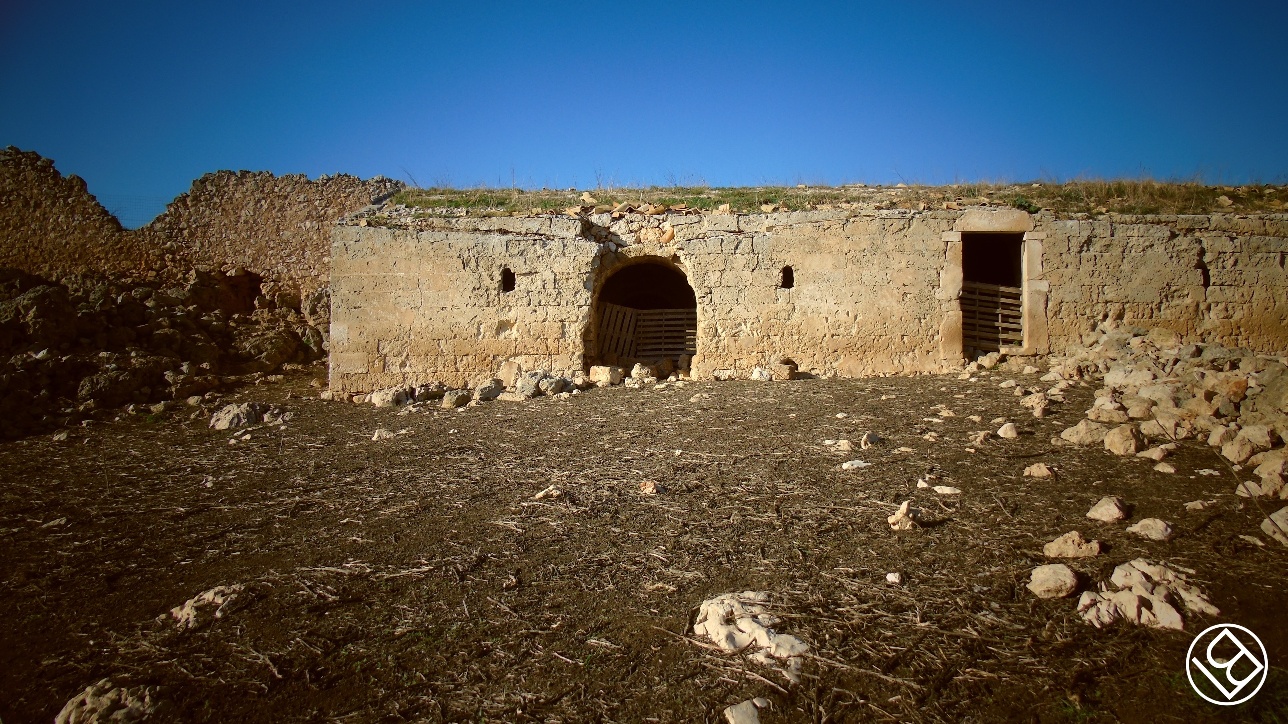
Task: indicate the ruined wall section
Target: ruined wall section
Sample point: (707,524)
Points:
(1218,278)
(411,306)
(276,226)
(51,226)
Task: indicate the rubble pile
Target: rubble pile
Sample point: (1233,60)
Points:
(1156,391)
(74,350)
(1146,594)
(514,384)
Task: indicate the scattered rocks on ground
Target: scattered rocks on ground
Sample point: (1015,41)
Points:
(456,398)
(1110,509)
(1085,432)
(1124,440)
(1039,470)
(105,702)
(905,518)
(739,622)
(1054,580)
(1071,545)
(1152,529)
(237,415)
(1276,525)
(196,611)
(746,712)
(1145,596)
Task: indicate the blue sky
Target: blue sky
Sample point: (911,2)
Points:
(140,98)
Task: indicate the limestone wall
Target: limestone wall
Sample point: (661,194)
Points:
(1217,278)
(875,292)
(420,305)
(277,227)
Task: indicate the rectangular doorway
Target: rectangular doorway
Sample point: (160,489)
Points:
(992,298)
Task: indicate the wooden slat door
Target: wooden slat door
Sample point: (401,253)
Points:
(992,316)
(617,332)
(665,333)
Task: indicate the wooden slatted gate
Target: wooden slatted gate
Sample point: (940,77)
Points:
(992,316)
(647,334)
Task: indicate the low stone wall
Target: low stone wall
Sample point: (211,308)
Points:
(276,227)
(875,292)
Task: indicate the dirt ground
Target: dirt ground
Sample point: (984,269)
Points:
(417,578)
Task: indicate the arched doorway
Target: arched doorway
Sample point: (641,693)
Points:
(644,312)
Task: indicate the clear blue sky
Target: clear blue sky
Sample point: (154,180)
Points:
(140,98)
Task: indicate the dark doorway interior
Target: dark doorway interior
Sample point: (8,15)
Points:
(645,312)
(992,291)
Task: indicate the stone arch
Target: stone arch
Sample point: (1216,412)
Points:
(643,309)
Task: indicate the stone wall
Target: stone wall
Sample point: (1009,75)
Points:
(51,226)
(1218,278)
(875,291)
(277,227)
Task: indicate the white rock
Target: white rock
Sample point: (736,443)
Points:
(606,375)
(1165,468)
(855,465)
(190,614)
(894,578)
(1155,453)
(906,518)
(1152,528)
(1085,432)
(1039,470)
(742,713)
(237,415)
(382,434)
(760,374)
(739,622)
(1008,431)
(105,702)
(1071,545)
(1276,525)
(1054,580)
(1110,509)
(390,397)
(1124,440)
(947,490)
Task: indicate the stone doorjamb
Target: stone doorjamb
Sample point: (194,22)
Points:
(1034,288)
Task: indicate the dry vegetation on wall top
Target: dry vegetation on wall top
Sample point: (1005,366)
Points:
(1076,197)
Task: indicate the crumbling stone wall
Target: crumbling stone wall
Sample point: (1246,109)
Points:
(276,227)
(51,226)
(874,291)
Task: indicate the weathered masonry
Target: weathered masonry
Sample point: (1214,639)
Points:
(836,293)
